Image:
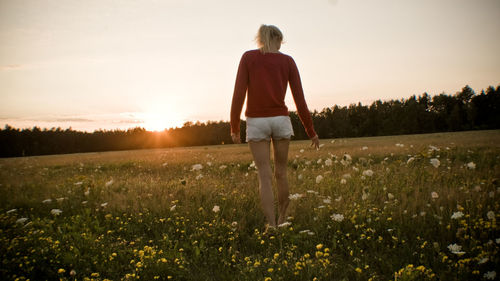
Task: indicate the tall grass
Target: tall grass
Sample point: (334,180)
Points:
(152,214)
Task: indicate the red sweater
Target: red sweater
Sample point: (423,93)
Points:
(265,77)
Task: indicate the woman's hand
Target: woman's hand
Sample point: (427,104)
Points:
(236,138)
(315,142)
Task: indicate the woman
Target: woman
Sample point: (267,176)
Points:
(265,74)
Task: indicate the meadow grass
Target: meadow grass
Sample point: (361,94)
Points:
(415,207)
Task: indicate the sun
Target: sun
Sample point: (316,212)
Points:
(156,120)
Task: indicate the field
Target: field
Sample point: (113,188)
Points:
(417,207)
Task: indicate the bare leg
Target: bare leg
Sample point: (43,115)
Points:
(261,155)
(280,148)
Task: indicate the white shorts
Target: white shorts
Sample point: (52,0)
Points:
(265,128)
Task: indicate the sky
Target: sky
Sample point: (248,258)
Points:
(117,64)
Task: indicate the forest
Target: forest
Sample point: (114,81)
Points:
(462,111)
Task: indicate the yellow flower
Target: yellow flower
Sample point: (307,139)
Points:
(359,270)
(61,270)
(270,269)
(267,279)
(95,274)
(276,255)
(319,246)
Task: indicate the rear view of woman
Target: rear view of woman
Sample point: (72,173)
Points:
(263,77)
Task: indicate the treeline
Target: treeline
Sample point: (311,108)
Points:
(465,110)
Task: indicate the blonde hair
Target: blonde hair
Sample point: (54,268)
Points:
(267,36)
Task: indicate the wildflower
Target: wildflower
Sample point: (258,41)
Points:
(328,162)
(433,148)
(434,195)
(285,224)
(47,201)
(497,240)
(61,270)
(300,177)
(491,275)
(11,211)
(435,162)
(337,217)
(173,208)
(234,224)
(364,148)
(346,160)
(455,249)
(216,209)
(490,215)
(319,246)
(196,167)
(164,164)
(411,159)
(302,151)
(78,183)
(312,192)
(21,220)
(483,260)
(368,173)
(327,201)
(457,215)
(199,176)
(104,204)
(72,272)
(108,183)
(390,196)
(471,165)
(87,192)
(343,181)
(295,196)
(55,212)
(319,178)
(222,167)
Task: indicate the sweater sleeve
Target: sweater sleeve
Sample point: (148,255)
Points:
(239,94)
(300,102)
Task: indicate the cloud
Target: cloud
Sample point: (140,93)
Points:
(10,67)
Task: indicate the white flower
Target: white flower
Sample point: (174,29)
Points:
(490,215)
(87,192)
(400,145)
(173,208)
(11,211)
(435,162)
(455,249)
(337,217)
(328,162)
(78,183)
(411,159)
(47,201)
(222,167)
(312,192)
(319,178)
(216,209)
(104,204)
(300,177)
(327,201)
(108,183)
(55,212)
(196,167)
(302,151)
(306,231)
(433,148)
(199,176)
(497,240)
(390,196)
(471,165)
(21,220)
(355,169)
(209,164)
(285,224)
(164,164)
(490,275)
(84,202)
(319,161)
(295,196)
(346,160)
(457,215)
(364,148)
(60,199)
(434,195)
(338,199)
(343,181)
(483,260)
(368,173)
(234,224)
(364,196)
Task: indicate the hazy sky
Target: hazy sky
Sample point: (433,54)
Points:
(158,63)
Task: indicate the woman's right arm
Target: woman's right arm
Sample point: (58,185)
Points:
(239,94)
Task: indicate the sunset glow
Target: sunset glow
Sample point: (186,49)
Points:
(94,64)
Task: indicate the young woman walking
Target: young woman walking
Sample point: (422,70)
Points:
(263,76)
